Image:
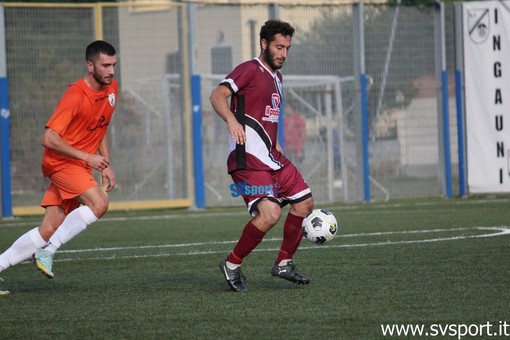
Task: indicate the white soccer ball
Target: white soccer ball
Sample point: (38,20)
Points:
(320,226)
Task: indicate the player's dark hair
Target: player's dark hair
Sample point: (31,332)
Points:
(95,48)
(273,27)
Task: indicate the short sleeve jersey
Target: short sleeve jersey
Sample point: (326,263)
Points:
(256,102)
(81,118)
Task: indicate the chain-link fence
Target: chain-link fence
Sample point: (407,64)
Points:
(46,52)
(159,45)
(400,64)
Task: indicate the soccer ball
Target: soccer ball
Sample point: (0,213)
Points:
(320,226)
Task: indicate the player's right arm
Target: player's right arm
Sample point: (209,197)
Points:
(53,141)
(219,101)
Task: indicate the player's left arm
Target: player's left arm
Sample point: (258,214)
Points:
(107,175)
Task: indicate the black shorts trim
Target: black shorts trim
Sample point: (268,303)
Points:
(253,207)
(298,200)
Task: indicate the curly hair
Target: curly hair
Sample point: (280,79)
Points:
(273,27)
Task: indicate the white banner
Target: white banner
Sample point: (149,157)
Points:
(486,28)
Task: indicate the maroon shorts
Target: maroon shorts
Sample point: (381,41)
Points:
(284,186)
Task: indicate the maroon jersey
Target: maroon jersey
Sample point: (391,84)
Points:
(256,102)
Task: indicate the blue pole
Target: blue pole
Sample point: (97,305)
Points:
(198,168)
(364,123)
(5,136)
(446,134)
(460,133)
(5,148)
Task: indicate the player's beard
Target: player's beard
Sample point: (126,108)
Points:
(269,59)
(103,80)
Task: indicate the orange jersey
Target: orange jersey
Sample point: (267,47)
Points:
(81,118)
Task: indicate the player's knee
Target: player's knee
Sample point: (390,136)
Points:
(46,230)
(100,206)
(303,208)
(309,203)
(272,214)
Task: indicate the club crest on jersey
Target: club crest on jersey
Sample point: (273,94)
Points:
(273,113)
(111,99)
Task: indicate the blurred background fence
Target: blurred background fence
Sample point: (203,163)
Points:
(160,45)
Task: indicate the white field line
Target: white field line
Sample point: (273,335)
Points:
(491,232)
(389,208)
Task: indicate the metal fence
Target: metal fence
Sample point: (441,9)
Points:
(151,127)
(160,44)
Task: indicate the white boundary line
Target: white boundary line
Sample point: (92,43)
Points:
(191,214)
(491,232)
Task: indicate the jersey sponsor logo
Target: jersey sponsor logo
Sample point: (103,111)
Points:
(100,124)
(272,114)
(110,97)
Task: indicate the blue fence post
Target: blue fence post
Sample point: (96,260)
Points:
(459,99)
(446,135)
(460,133)
(198,167)
(361,117)
(442,100)
(5,135)
(6,148)
(364,123)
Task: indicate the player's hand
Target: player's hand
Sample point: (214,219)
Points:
(98,162)
(279,148)
(108,179)
(237,132)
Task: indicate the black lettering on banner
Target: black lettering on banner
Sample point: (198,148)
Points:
(497,69)
(500,146)
(499,123)
(496,43)
(499,97)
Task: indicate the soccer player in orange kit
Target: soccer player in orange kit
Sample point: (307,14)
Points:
(75,143)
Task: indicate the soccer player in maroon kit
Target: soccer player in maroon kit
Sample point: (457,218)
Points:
(256,159)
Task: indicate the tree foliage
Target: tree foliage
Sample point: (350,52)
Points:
(396,55)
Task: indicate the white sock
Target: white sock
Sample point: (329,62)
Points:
(232,266)
(74,223)
(22,249)
(283,263)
